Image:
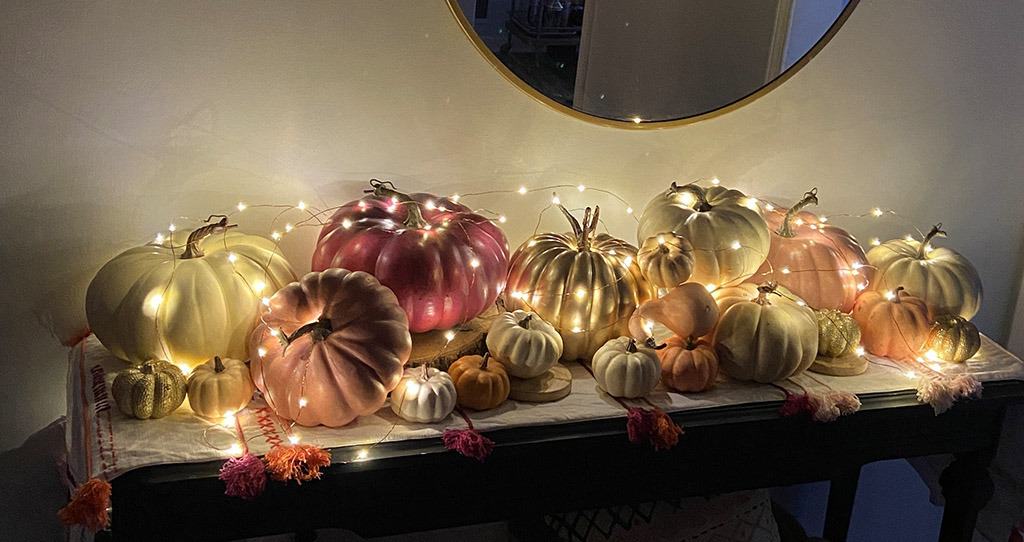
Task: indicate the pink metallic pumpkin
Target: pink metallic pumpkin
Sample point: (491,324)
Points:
(329,348)
(820,263)
(445,263)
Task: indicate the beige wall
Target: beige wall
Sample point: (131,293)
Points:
(117,117)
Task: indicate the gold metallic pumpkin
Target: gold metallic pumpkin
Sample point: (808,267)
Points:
(838,333)
(583,283)
(953,338)
(151,390)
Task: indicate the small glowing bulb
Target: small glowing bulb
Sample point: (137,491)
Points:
(266,301)
(185,370)
(648,326)
(301,205)
(261,351)
(503,219)
(159,239)
(928,248)
(889,295)
(577,329)
(455,198)
(275,235)
(801,302)
(936,367)
(859,351)
(629,210)
(430,205)
(241,206)
(785,270)
(293,438)
(580,293)
(518,295)
(710,287)
(823,219)
(362,204)
(751,203)
(715,181)
(769,207)
(637,120)
(155,300)
(362,454)
(735,245)
(581,187)
(232,257)
(857,265)
(303,402)
(862,286)
(908,238)
(172,228)
(288,227)
(687,199)
(875,241)
(346,223)
(474,263)
(555,200)
(627,261)
(799,222)
(910,374)
(877,211)
(532,243)
(522,190)
(931,355)
(259,286)
(449,335)
(661,239)
(235,449)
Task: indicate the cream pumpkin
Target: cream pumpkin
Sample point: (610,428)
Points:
(162,301)
(424,395)
(524,343)
(943,278)
(624,369)
(729,236)
(219,387)
(666,260)
(766,340)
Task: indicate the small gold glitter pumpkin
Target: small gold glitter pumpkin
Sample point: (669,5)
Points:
(152,390)
(838,333)
(953,338)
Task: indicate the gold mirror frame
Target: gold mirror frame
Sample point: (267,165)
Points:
(482,48)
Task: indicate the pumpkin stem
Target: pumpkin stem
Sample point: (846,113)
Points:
(631,347)
(700,195)
(786,229)
(896,294)
(577,230)
(483,363)
(218,365)
(649,342)
(525,322)
(147,368)
(690,343)
(763,291)
(386,189)
(192,249)
(414,217)
(318,330)
(936,231)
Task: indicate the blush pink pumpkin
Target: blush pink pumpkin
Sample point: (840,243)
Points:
(329,348)
(820,263)
(445,263)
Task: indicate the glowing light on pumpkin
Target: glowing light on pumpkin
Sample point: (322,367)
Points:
(823,219)
(159,239)
(637,120)
(627,261)
(474,263)
(261,351)
(266,301)
(502,218)
(154,301)
(580,293)
(877,211)
(750,203)
(430,205)
(232,257)
(288,227)
(577,329)
(259,286)
(581,188)
(346,223)
(715,181)
(455,198)
(229,418)
(241,207)
(889,295)
(711,287)
(769,207)
(686,198)
(275,235)
(629,210)
(301,205)
(184,369)
(735,245)
(908,238)
(875,241)
(303,402)
(172,228)
(522,190)
(859,351)
(518,295)
(449,335)
(931,355)
(555,200)
(785,270)
(799,222)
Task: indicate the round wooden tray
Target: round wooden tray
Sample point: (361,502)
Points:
(553,385)
(848,365)
(431,347)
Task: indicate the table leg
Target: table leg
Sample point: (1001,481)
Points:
(967,487)
(842,491)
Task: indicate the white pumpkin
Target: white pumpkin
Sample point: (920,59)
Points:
(424,395)
(766,339)
(185,305)
(944,279)
(219,386)
(729,236)
(524,343)
(623,369)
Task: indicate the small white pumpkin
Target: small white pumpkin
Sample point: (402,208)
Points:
(623,369)
(424,395)
(219,386)
(524,343)
(666,260)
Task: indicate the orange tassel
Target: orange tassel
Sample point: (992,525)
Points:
(88,506)
(301,462)
(665,434)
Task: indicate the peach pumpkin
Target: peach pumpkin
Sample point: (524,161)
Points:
(892,324)
(330,347)
(687,310)
(688,365)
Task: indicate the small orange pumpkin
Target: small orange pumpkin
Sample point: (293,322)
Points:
(688,365)
(893,324)
(687,310)
(481,383)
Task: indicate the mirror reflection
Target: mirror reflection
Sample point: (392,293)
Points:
(649,60)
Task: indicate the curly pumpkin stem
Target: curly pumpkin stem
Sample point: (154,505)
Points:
(700,194)
(649,342)
(786,229)
(936,231)
(318,330)
(386,189)
(583,232)
(192,249)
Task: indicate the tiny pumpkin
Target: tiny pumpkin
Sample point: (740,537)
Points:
(838,333)
(687,310)
(688,364)
(953,338)
(524,343)
(666,260)
(892,324)
(481,383)
(623,369)
(424,395)
(152,390)
(219,386)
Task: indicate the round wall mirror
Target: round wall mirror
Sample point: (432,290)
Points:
(649,63)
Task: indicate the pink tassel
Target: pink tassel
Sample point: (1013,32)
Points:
(639,424)
(833,404)
(653,426)
(796,404)
(936,392)
(468,442)
(244,477)
(965,386)
(88,506)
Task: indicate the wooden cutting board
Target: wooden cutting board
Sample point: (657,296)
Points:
(433,347)
(553,385)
